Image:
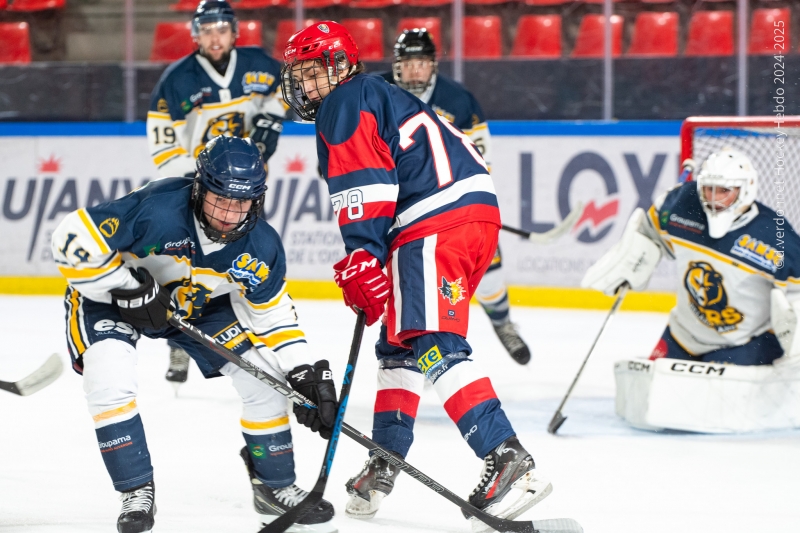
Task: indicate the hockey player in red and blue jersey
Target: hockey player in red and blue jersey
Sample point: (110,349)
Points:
(411,194)
(415,69)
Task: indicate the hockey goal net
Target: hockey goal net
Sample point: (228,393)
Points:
(773,148)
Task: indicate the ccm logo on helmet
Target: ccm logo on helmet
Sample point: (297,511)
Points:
(238,187)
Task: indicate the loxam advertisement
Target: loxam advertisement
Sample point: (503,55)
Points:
(539,178)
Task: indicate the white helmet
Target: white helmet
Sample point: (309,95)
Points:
(727,168)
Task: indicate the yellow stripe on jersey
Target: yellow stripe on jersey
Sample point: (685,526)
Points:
(721,257)
(74,327)
(83,273)
(276,422)
(238,339)
(272,303)
(280,337)
(178,123)
(169,154)
(223,105)
(93,231)
(115,412)
(156,114)
(477,127)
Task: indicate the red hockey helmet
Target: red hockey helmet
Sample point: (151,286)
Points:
(324,51)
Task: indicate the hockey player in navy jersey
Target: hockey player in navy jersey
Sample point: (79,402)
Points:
(412,195)
(197,246)
(415,69)
(738,265)
(220,89)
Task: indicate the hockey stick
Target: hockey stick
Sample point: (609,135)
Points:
(558,418)
(287,519)
(37,380)
(558,525)
(549,236)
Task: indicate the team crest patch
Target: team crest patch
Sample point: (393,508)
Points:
(452,291)
(323,28)
(258,451)
(708,298)
(249,269)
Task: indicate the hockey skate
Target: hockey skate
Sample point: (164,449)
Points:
(271,503)
(178,370)
(138,510)
(368,489)
(512,342)
(508,486)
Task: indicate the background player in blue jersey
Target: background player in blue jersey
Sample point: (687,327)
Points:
(220,89)
(415,69)
(411,193)
(738,265)
(195,245)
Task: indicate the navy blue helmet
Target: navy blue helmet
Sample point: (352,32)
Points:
(232,169)
(213,11)
(416,43)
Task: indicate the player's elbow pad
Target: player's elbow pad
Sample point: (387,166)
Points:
(633,260)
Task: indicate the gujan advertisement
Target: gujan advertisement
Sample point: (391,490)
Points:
(539,180)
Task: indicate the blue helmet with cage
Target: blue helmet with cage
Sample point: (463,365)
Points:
(232,169)
(213,11)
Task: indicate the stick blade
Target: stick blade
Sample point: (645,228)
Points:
(558,525)
(556,422)
(41,377)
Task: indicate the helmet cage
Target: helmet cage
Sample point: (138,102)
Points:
(415,87)
(719,182)
(199,193)
(293,81)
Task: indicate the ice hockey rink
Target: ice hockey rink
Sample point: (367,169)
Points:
(608,476)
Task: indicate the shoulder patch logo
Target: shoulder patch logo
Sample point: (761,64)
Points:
(257,81)
(452,291)
(708,298)
(161,106)
(758,252)
(249,269)
(109,227)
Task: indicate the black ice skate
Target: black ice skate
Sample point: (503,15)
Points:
(271,503)
(178,370)
(138,510)
(508,486)
(512,342)
(368,489)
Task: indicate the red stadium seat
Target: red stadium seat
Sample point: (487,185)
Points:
(432,24)
(184,5)
(368,34)
(35,5)
(538,36)
(259,4)
(373,4)
(482,37)
(286,30)
(485,2)
(249,33)
(710,34)
(427,3)
(15,43)
(546,2)
(172,41)
(3,4)
(655,34)
(659,1)
(316,4)
(763,32)
(591,35)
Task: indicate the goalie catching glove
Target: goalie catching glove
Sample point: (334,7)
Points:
(146,306)
(363,283)
(316,384)
(633,260)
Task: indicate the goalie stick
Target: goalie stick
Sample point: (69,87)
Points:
(558,418)
(37,380)
(557,525)
(549,236)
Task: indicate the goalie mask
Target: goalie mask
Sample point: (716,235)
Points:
(317,59)
(727,185)
(229,188)
(415,62)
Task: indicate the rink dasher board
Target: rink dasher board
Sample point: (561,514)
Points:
(707,397)
(540,171)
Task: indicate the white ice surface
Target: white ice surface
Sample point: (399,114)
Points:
(606,475)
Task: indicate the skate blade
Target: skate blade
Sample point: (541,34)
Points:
(361,509)
(528,491)
(323,527)
(176,386)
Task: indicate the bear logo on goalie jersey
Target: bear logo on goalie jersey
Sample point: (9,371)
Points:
(708,298)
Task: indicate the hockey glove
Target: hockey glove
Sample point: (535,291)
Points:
(145,306)
(316,384)
(266,130)
(363,284)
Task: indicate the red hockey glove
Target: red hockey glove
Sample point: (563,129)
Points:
(363,284)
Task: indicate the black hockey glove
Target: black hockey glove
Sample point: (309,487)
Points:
(145,306)
(316,384)
(266,130)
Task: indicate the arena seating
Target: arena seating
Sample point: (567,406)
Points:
(318,4)
(432,24)
(15,43)
(258,4)
(590,36)
(285,30)
(368,33)
(763,31)
(184,5)
(482,37)
(35,5)
(710,34)
(373,4)
(538,36)
(546,2)
(171,41)
(249,33)
(654,34)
